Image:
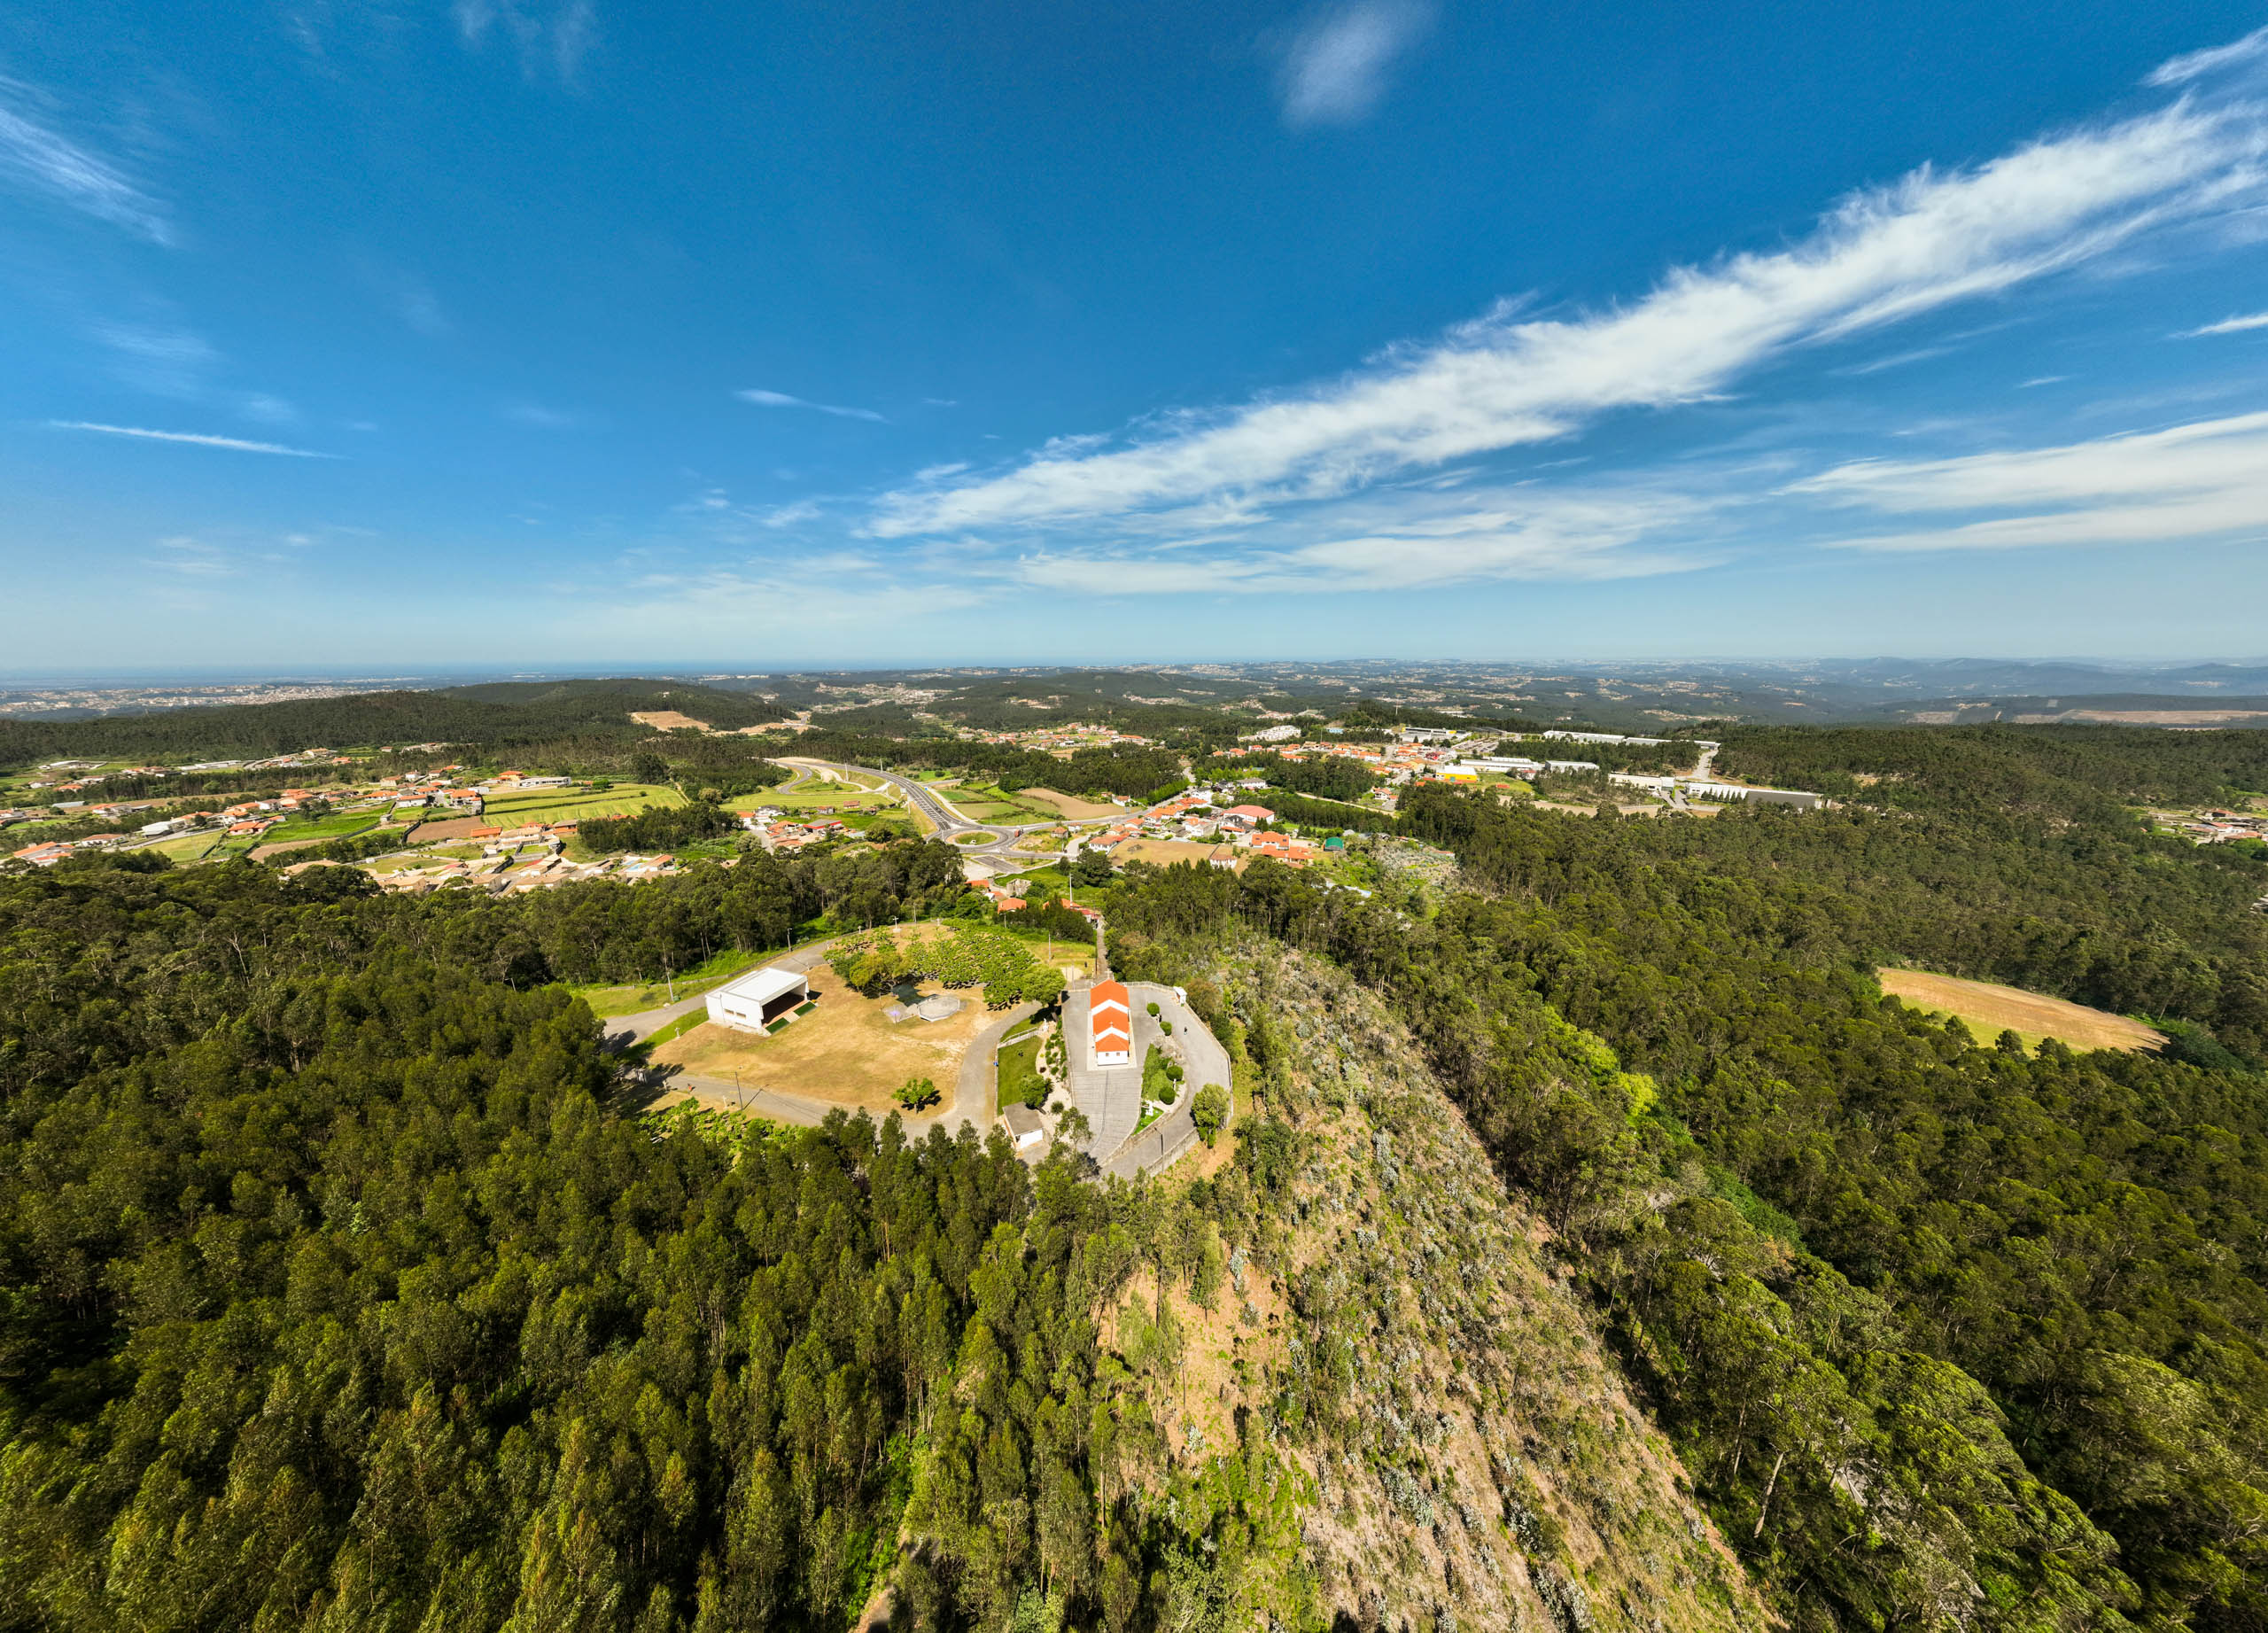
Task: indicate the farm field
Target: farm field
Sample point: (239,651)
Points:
(809,795)
(336,825)
(448,828)
(384,865)
(1988,1010)
(846,1051)
(981,802)
(571,805)
(1165,852)
(1071,806)
(187,847)
(267,848)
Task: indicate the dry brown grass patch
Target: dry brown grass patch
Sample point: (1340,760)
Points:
(1164,852)
(847,1051)
(1071,804)
(1988,1010)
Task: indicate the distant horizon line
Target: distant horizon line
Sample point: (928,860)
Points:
(109,679)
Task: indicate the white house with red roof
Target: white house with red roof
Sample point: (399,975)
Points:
(1110,1023)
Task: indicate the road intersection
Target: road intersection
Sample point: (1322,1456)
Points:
(994,843)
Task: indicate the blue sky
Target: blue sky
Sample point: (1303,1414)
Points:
(564,332)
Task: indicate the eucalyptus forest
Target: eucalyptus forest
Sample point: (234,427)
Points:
(345,1282)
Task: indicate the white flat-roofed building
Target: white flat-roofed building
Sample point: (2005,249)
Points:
(1797,797)
(758,998)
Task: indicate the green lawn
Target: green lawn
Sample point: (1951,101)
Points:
(1021,1083)
(680,1027)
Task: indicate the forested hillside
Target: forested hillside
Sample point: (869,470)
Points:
(342,1289)
(2036,770)
(342,1283)
(501,715)
(1944,1332)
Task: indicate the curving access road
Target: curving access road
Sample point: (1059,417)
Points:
(993,841)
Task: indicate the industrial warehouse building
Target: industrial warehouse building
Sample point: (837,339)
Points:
(1110,1024)
(758,998)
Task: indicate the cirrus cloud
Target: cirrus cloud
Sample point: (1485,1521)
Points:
(2204,480)
(39,159)
(194,438)
(764,399)
(1500,382)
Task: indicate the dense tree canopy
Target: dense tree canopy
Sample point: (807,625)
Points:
(338,1289)
(1854,1251)
(511,712)
(343,1284)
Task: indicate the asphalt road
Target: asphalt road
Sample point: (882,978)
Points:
(998,840)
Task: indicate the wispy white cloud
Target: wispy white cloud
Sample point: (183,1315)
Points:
(2249,52)
(194,558)
(1919,354)
(522,413)
(161,358)
(421,308)
(36,157)
(793,514)
(268,410)
(2041,379)
(2227,326)
(1410,540)
(2205,480)
(1335,68)
(556,35)
(1880,256)
(851,594)
(781,399)
(196,439)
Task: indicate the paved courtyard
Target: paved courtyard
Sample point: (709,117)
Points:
(1111,1097)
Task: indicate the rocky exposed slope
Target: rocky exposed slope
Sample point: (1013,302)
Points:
(1472,1456)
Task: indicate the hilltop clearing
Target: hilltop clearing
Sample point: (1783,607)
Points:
(1989,1008)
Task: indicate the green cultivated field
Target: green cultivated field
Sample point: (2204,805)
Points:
(188,847)
(579,804)
(981,802)
(336,825)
